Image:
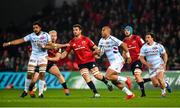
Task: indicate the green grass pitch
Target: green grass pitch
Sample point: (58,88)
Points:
(83,98)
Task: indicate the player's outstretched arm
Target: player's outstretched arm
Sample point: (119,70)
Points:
(61,45)
(126,51)
(14,42)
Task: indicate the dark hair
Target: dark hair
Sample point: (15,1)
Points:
(152,34)
(77,25)
(37,23)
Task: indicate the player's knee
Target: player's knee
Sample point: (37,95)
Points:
(114,82)
(98,76)
(42,75)
(29,75)
(156,85)
(108,77)
(86,77)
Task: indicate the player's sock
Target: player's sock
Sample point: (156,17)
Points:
(141,85)
(92,86)
(146,79)
(64,85)
(27,83)
(31,86)
(120,78)
(41,86)
(104,80)
(163,92)
(127,91)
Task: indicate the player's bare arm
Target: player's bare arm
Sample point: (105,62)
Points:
(61,45)
(126,51)
(14,42)
(165,59)
(51,45)
(96,52)
(143,61)
(64,55)
(56,58)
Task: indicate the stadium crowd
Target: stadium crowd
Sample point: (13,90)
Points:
(158,16)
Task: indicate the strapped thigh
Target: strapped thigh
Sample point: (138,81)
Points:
(30,69)
(84,71)
(42,69)
(95,71)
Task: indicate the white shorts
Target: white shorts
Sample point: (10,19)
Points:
(116,67)
(37,60)
(153,72)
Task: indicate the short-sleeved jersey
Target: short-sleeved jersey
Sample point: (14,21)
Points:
(153,54)
(110,46)
(134,44)
(43,39)
(82,48)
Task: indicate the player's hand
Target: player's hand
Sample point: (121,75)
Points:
(6,44)
(96,51)
(128,60)
(164,66)
(149,65)
(40,45)
(66,45)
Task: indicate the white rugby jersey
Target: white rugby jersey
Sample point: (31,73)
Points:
(42,39)
(110,46)
(153,54)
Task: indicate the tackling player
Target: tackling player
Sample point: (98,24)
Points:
(134,44)
(109,45)
(156,61)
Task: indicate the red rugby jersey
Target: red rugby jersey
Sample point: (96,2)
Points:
(82,49)
(134,44)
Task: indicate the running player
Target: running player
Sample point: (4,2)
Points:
(38,55)
(156,61)
(134,44)
(82,47)
(52,67)
(110,46)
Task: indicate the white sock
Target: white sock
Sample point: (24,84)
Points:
(120,78)
(27,83)
(163,91)
(166,84)
(127,91)
(41,86)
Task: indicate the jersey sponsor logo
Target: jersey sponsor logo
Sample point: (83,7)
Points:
(79,48)
(155,48)
(42,37)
